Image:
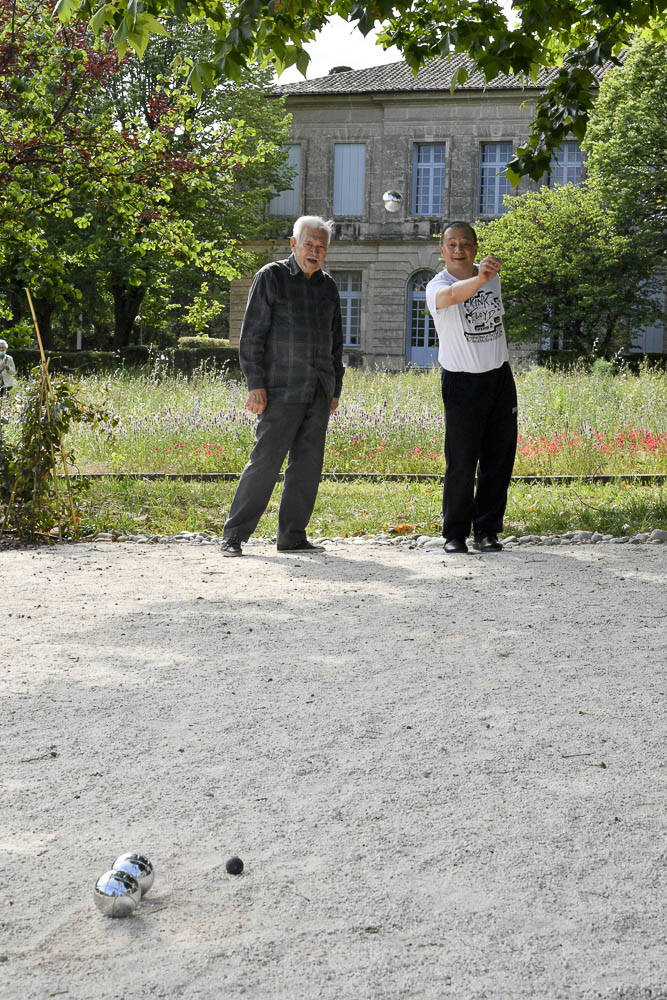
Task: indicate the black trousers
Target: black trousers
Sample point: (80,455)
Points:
(480,438)
(297,428)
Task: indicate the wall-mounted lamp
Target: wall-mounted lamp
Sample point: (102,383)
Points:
(392,201)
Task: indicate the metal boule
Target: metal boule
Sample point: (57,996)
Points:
(393,201)
(117,894)
(139,867)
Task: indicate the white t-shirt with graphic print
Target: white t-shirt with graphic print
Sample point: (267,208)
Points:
(471,334)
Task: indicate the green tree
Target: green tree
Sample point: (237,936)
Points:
(568,272)
(48,149)
(140,92)
(579,34)
(626,144)
(89,198)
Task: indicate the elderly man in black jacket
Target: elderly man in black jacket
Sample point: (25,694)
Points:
(290,352)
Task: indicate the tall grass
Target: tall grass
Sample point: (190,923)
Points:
(570,422)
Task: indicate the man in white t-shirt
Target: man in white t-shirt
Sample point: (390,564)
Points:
(478,391)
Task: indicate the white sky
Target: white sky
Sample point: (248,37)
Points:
(341,44)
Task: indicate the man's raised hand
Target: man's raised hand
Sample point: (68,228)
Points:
(489,267)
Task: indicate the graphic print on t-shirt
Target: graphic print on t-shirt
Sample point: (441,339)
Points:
(482,317)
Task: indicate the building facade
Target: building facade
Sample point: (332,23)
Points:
(360,133)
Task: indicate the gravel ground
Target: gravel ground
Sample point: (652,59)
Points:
(445,775)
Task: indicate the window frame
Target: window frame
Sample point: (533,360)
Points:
(416,146)
(429,323)
(291,213)
(349,296)
(498,201)
(566,166)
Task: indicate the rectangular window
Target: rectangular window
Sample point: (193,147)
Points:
(289,202)
(428,178)
(349,178)
(566,165)
(649,339)
(493,181)
(349,288)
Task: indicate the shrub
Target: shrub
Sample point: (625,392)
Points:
(31,502)
(203,341)
(186,360)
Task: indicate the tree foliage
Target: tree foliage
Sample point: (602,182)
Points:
(48,150)
(105,198)
(568,272)
(574,33)
(626,144)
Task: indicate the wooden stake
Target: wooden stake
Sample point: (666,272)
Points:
(46,377)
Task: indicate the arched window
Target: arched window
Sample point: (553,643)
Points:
(421,337)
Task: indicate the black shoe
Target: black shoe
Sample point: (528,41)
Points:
(453,545)
(231,547)
(487,543)
(303,546)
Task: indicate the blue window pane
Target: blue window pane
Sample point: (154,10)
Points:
(422,328)
(493,180)
(289,202)
(566,165)
(349,288)
(428,178)
(349,178)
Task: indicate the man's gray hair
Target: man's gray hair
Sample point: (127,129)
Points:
(315,222)
(3,343)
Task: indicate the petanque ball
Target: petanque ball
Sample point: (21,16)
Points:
(139,866)
(234,866)
(117,894)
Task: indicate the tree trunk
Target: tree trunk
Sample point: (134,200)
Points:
(44,314)
(126,303)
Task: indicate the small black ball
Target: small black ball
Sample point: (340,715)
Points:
(234,866)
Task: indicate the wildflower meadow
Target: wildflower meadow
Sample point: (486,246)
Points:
(570,423)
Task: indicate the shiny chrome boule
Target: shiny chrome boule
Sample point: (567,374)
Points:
(393,201)
(139,867)
(117,894)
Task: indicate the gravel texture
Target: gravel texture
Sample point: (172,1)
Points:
(444,774)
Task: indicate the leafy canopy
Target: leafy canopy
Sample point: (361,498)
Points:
(569,271)
(626,144)
(112,182)
(577,34)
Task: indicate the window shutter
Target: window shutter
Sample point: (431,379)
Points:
(349,178)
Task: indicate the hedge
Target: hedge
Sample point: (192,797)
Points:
(185,360)
(204,342)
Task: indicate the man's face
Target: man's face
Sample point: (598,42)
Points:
(310,250)
(459,250)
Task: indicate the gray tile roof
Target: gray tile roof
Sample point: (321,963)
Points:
(435,75)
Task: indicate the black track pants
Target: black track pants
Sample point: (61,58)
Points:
(480,438)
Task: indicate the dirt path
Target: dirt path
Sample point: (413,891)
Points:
(445,776)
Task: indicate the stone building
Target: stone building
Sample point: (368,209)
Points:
(357,134)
